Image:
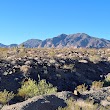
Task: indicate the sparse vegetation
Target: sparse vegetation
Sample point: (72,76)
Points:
(30,88)
(3,53)
(70,67)
(95,58)
(65,69)
(5,96)
(51,53)
(82,105)
(81,88)
(97,85)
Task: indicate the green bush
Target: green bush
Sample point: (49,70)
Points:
(45,88)
(5,97)
(30,88)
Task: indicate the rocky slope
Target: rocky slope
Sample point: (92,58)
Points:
(32,43)
(50,102)
(76,40)
(54,101)
(64,68)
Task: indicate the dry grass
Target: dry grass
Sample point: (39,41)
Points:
(5,97)
(3,52)
(97,85)
(83,105)
(74,53)
(81,88)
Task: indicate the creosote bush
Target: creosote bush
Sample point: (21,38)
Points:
(81,88)
(97,85)
(5,97)
(45,88)
(95,58)
(30,88)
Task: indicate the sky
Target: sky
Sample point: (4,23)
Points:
(21,20)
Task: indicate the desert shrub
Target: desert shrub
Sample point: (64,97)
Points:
(95,58)
(30,88)
(21,51)
(45,88)
(108,98)
(3,52)
(97,85)
(21,54)
(107,81)
(25,69)
(70,66)
(78,105)
(81,88)
(82,105)
(51,53)
(21,46)
(92,51)
(5,96)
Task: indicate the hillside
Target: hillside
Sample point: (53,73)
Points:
(11,45)
(76,40)
(63,40)
(2,45)
(32,43)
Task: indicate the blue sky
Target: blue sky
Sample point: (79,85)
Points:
(40,19)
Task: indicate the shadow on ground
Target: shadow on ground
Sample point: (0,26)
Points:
(49,103)
(63,79)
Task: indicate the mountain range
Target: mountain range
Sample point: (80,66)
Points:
(11,45)
(64,40)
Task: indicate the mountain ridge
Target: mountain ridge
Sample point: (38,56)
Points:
(63,40)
